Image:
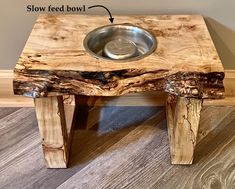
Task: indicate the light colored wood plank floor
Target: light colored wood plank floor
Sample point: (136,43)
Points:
(126,148)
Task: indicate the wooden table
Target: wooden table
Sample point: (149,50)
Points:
(54,64)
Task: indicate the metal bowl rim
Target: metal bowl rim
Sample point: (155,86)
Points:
(124,25)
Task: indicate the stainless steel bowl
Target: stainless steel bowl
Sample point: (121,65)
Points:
(120,42)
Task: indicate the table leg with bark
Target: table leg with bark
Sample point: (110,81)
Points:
(55,126)
(183,115)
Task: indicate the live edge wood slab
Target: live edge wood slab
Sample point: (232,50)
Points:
(54,63)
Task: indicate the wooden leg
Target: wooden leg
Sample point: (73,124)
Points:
(52,116)
(183,115)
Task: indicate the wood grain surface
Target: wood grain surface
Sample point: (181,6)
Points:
(54,61)
(119,153)
(55,126)
(8,99)
(183,116)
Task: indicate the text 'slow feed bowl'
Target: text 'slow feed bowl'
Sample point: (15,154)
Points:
(120,42)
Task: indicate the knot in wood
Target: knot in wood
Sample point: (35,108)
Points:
(194,91)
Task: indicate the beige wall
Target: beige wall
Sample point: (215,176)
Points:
(16,23)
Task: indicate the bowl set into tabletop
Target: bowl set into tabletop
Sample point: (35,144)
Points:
(83,55)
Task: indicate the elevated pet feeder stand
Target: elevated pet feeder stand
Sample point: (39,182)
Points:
(54,63)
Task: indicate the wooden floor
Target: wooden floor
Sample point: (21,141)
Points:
(126,148)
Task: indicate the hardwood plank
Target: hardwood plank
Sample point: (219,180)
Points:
(8,99)
(183,116)
(6,111)
(214,167)
(52,126)
(17,132)
(135,172)
(51,31)
(185,62)
(139,141)
(211,118)
(23,165)
(88,145)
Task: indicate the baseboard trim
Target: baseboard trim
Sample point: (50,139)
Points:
(8,99)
